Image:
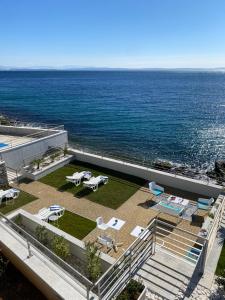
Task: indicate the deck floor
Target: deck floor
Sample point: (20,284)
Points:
(134,211)
(13,141)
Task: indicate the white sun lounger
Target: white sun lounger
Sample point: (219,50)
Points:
(45,212)
(10,193)
(78,176)
(94,182)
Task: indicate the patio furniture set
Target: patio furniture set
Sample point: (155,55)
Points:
(9,195)
(89,181)
(116,224)
(177,206)
(52,213)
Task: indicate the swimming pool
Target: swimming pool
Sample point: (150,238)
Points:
(3,145)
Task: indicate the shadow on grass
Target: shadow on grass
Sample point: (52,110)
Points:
(83,193)
(66,186)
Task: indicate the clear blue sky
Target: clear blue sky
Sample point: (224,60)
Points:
(113,33)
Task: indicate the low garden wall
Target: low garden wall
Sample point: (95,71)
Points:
(36,175)
(167,179)
(77,247)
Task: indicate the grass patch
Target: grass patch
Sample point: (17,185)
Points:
(221,263)
(119,188)
(23,199)
(75,225)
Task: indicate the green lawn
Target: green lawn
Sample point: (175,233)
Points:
(221,263)
(119,188)
(75,225)
(23,199)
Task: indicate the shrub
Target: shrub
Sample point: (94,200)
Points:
(54,156)
(132,291)
(60,247)
(93,261)
(18,220)
(42,235)
(211,215)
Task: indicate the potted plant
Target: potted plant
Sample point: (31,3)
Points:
(135,290)
(37,162)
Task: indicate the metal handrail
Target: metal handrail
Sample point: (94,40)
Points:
(81,279)
(116,262)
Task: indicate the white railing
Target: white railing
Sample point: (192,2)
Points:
(33,243)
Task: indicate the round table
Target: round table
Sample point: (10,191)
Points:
(53,218)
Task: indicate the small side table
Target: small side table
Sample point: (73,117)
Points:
(54,218)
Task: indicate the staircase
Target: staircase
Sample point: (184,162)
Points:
(13,175)
(165,277)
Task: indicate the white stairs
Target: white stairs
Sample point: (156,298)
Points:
(165,277)
(12,175)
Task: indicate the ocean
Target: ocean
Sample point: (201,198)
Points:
(137,115)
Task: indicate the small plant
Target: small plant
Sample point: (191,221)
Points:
(42,235)
(93,261)
(54,156)
(37,162)
(18,220)
(132,291)
(221,280)
(65,150)
(60,247)
(211,215)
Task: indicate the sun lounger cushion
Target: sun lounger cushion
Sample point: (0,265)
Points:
(203,206)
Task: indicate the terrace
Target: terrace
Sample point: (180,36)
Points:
(16,134)
(125,197)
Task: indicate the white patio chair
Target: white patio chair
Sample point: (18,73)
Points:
(77,177)
(155,188)
(106,241)
(100,224)
(94,182)
(45,213)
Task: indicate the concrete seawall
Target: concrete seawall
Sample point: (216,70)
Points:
(167,179)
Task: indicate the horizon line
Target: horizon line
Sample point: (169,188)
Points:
(80,68)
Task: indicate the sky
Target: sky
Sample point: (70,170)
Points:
(112,33)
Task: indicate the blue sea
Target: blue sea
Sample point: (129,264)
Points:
(139,115)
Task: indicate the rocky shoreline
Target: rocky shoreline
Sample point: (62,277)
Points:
(215,175)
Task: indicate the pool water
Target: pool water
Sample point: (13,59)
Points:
(177,209)
(3,145)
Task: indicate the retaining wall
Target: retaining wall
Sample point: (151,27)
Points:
(167,179)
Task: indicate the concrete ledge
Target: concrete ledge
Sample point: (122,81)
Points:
(167,179)
(48,169)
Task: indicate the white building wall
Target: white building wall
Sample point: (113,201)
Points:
(21,155)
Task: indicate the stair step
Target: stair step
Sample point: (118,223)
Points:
(158,286)
(167,270)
